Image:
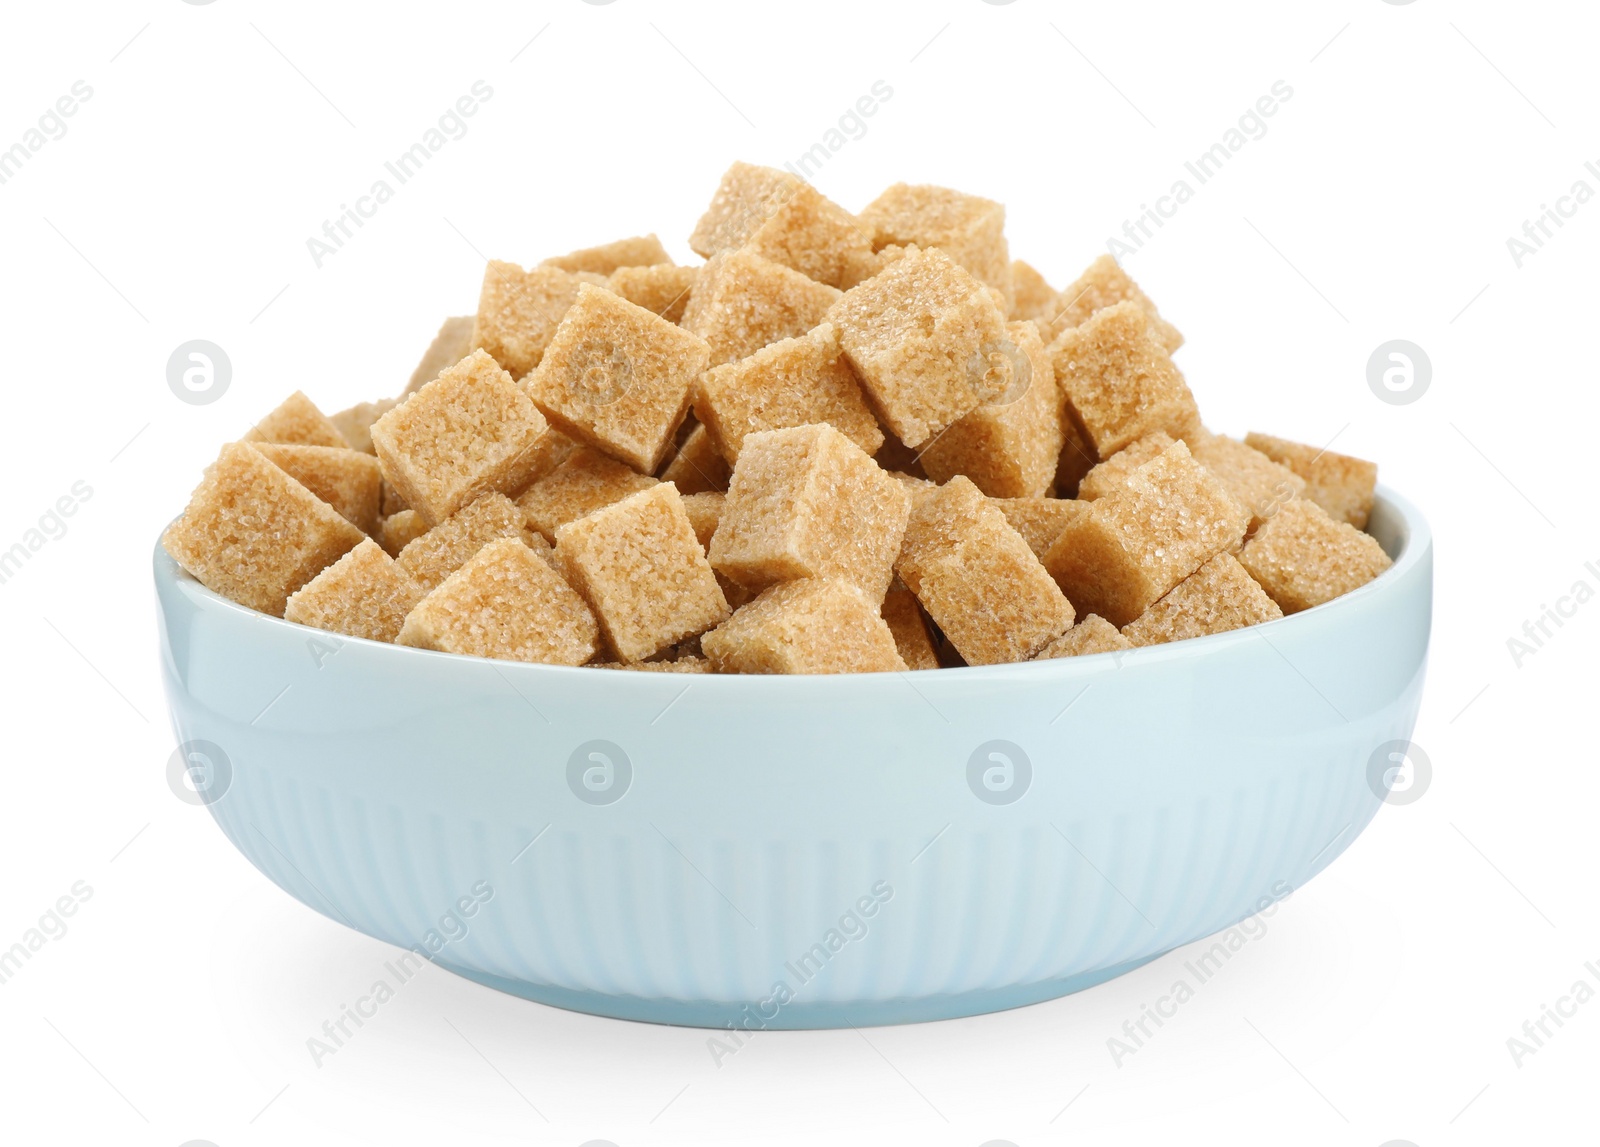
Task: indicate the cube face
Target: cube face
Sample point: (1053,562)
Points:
(681,665)
(1009,448)
(354,423)
(507,603)
(452,344)
(1119,381)
(447,547)
(1135,544)
(1258,483)
(925,340)
(363,594)
(661,288)
(780,217)
(1077,452)
(1303,557)
(978,579)
(705,511)
(1217,597)
(743,302)
(1111,475)
(617,378)
(1105,284)
(909,627)
(389,499)
(296,421)
(746,198)
(795,382)
(1342,485)
(970,229)
(469,432)
(1032,297)
(697,467)
(1040,521)
(253,534)
(642,571)
(807,502)
(815,625)
(638,251)
(347,480)
(582,484)
(519,311)
(400,529)
(1094,634)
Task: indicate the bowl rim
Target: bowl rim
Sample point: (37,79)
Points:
(1414,541)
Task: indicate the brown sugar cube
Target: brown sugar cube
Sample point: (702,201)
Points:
(1105,284)
(363,594)
(909,626)
(1342,485)
(1077,453)
(697,467)
(468,432)
(1120,383)
(808,502)
(1135,544)
(1040,520)
(1303,557)
(505,602)
(661,288)
(1031,296)
(1010,447)
(347,480)
(389,499)
(253,534)
(296,421)
(978,579)
(742,302)
(640,567)
(925,340)
(548,453)
(735,593)
(1111,475)
(969,229)
(794,382)
(518,312)
(582,484)
(1258,483)
(1217,597)
(681,665)
(452,344)
(639,251)
(814,625)
(704,510)
(617,378)
(447,547)
(781,217)
(400,529)
(354,424)
(1094,634)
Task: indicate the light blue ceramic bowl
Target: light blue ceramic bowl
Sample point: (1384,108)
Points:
(797,852)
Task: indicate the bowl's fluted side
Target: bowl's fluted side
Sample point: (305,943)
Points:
(819,834)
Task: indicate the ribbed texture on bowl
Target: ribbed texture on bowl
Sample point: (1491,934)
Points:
(1175,790)
(625,915)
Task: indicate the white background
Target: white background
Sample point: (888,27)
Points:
(218,138)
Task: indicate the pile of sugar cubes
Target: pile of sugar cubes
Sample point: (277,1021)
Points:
(843,443)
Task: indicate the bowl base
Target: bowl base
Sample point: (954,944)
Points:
(798,1016)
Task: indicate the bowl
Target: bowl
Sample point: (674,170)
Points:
(798,852)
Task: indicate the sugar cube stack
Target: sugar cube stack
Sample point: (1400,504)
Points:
(844,443)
